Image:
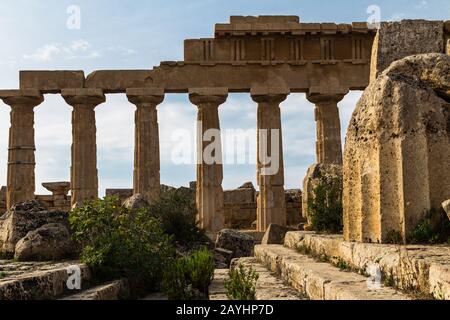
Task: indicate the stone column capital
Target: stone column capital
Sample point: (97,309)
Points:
(28,97)
(318,95)
(269,94)
(212,96)
(145,96)
(83,97)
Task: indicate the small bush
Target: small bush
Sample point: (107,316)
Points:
(434,228)
(189,277)
(325,209)
(118,243)
(177,214)
(242,284)
(200,266)
(175,282)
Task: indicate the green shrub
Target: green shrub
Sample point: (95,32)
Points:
(118,243)
(189,277)
(200,266)
(325,208)
(175,282)
(242,283)
(434,228)
(177,214)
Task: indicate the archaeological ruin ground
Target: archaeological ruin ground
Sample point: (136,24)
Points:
(372,221)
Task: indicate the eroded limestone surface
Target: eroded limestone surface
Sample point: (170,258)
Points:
(397,150)
(320,280)
(23,218)
(399,39)
(418,268)
(42,280)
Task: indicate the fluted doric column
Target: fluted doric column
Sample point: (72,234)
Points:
(270,165)
(21,151)
(146,177)
(209,195)
(328,124)
(83,172)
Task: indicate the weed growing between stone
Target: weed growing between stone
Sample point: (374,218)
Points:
(242,283)
(325,209)
(189,277)
(434,228)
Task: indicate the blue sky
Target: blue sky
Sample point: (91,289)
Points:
(118,34)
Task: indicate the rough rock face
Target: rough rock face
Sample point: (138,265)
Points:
(51,242)
(446,206)
(327,174)
(23,218)
(397,151)
(239,243)
(293,206)
(222,258)
(136,202)
(2,200)
(240,206)
(275,234)
(400,39)
(247,185)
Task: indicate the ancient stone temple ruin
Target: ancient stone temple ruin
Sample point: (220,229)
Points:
(392,171)
(268,57)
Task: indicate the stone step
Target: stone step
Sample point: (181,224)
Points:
(268,286)
(43,284)
(419,269)
(217,288)
(321,280)
(108,291)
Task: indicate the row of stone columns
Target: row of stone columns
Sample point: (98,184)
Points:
(146,176)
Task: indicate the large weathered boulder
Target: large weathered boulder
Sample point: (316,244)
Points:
(136,202)
(239,243)
(275,234)
(397,153)
(51,242)
(446,206)
(23,218)
(326,175)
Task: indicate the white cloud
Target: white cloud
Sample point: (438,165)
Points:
(77,49)
(122,50)
(45,53)
(80,44)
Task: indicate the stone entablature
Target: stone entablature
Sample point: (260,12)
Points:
(283,25)
(280,38)
(180,76)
